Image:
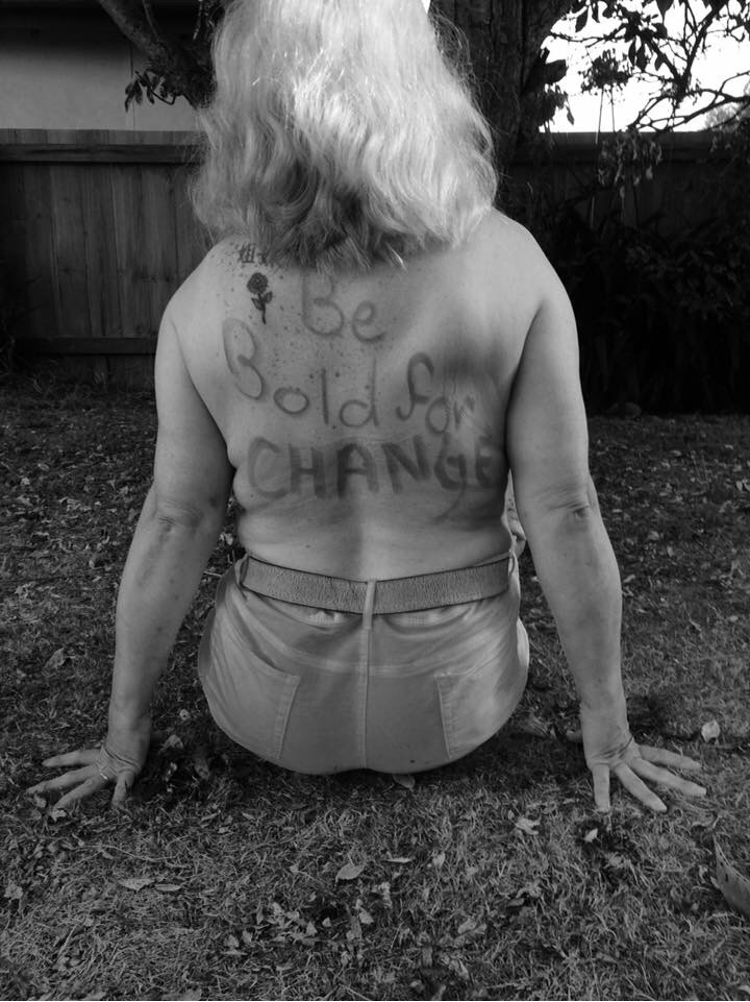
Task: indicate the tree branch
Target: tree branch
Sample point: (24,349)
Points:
(182,71)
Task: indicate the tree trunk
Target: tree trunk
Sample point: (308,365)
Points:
(505,40)
(183,70)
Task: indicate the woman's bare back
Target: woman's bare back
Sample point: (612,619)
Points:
(364,414)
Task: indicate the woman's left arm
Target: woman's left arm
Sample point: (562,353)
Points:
(180,522)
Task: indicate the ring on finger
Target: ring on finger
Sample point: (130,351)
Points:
(103,774)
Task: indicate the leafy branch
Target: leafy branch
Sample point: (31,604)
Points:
(633,39)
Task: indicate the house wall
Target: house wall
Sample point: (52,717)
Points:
(69,70)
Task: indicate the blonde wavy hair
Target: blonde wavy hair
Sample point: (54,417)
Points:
(341,133)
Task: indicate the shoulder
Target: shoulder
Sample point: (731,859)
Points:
(514,268)
(198,307)
(512,244)
(203,285)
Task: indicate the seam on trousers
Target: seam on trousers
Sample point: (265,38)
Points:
(366,652)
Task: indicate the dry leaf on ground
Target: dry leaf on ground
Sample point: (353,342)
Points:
(136,883)
(710,730)
(200,763)
(56,661)
(350,871)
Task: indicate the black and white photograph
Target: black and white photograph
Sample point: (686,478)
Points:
(375,500)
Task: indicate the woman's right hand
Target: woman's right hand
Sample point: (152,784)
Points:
(119,760)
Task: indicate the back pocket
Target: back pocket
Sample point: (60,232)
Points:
(248,698)
(475,704)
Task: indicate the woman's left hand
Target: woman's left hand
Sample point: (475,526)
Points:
(611,751)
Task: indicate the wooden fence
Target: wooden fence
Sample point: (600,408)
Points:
(96,233)
(685,189)
(96,230)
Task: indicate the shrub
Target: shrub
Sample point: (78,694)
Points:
(664,320)
(664,323)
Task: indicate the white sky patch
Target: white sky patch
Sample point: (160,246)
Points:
(722,58)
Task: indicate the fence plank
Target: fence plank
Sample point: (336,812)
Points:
(159,244)
(38,251)
(97,209)
(192,241)
(71,280)
(129,227)
(95,146)
(92,153)
(88,346)
(14,284)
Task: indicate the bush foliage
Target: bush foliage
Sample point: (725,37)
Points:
(664,320)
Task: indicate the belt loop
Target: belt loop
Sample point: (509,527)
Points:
(240,570)
(369,604)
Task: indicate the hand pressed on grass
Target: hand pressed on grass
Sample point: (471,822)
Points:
(611,750)
(119,760)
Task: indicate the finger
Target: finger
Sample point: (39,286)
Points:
(122,788)
(638,789)
(61,782)
(665,778)
(663,757)
(83,756)
(601,788)
(92,785)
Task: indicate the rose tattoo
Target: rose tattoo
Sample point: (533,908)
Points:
(258,284)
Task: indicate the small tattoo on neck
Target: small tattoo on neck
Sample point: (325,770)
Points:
(250,253)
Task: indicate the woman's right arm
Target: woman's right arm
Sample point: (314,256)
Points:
(547,447)
(179,525)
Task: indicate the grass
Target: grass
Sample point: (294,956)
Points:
(491,878)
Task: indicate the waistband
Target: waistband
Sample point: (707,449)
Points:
(408,594)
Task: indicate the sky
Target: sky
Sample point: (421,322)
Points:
(723,57)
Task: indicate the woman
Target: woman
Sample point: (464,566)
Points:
(363,357)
